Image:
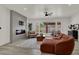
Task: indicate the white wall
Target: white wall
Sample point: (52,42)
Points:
(5,25)
(75,19)
(16,17)
(64,22)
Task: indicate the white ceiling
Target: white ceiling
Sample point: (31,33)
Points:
(37,10)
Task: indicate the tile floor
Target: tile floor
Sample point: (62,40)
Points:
(28,47)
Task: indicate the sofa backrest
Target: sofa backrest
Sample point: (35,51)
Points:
(66,38)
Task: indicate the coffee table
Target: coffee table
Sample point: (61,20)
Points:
(40,38)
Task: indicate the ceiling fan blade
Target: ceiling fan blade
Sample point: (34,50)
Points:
(50,13)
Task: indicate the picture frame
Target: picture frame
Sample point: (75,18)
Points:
(21,23)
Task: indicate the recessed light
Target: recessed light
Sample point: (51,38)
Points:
(13,8)
(69,4)
(25,8)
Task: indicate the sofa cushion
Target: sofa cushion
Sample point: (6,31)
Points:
(58,37)
(65,36)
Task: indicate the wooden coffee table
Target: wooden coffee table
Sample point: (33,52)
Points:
(40,38)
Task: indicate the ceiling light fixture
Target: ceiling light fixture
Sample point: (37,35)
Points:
(14,9)
(47,13)
(69,4)
(25,8)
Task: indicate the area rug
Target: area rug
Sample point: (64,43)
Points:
(28,43)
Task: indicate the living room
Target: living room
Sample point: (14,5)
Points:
(30,25)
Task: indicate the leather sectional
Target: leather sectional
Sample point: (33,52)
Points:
(61,45)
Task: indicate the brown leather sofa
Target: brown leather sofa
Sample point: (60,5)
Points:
(62,45)
(31,34)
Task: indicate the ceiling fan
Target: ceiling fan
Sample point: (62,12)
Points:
(46,13)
